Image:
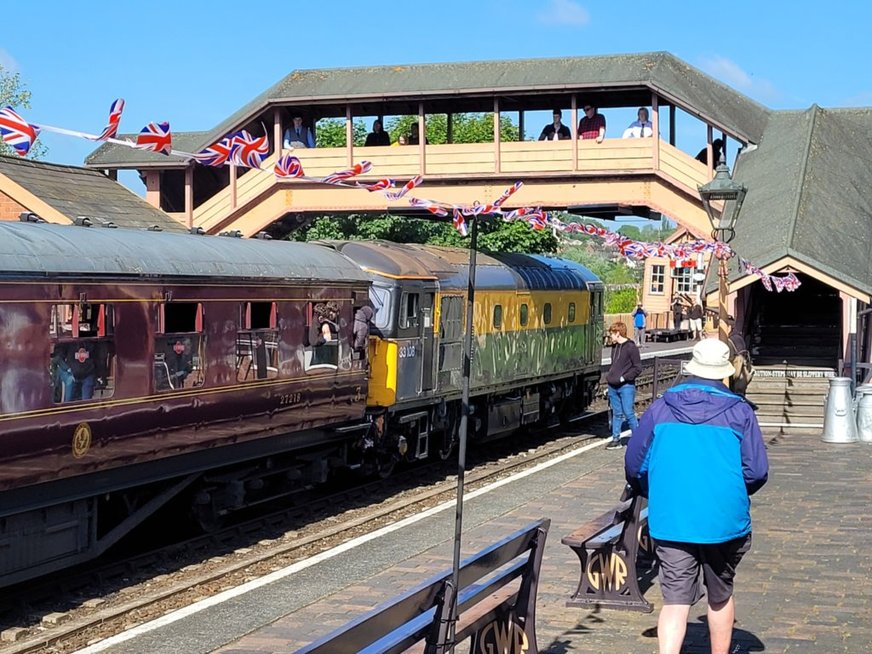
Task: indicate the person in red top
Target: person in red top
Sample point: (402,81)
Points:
(593,125)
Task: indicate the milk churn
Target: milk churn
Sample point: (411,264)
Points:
(839,425)
(863,402)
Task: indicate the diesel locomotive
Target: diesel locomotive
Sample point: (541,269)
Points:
(141,367)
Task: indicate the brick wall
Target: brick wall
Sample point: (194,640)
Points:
(9,208)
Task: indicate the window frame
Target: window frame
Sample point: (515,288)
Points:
(657,281)
(547,314)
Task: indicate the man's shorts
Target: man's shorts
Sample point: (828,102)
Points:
(680,565)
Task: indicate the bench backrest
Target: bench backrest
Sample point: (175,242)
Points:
(422,612)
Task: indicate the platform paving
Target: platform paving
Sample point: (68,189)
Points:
(806,586)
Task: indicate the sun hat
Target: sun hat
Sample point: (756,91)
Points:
(711,360)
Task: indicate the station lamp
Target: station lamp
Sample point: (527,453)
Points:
(723,189)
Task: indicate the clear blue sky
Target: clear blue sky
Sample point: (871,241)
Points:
(194,62)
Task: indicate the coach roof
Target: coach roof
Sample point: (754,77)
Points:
(45,249)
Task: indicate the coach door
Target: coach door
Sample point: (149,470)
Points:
(427,342)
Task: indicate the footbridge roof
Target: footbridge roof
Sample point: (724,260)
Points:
(608,78)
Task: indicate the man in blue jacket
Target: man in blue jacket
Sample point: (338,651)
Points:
(698,456)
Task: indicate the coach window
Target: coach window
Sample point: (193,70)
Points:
(179,346)
(498,316)
(323,338)
(571,313)
(257,342)
(82,363)
(525,315)
(546,313)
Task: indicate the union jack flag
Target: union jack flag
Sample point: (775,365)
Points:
(289,166)
(354,171)
(249,151)
(459,223)
(429,205)
(380,185)
(216,154)
(114,119)
(408,186)
(17,132)
(507,193)
(155,137)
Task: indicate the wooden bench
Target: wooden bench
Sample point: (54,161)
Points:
(497,606)
(609,549)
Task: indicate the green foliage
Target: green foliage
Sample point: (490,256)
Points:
(465,128)
(14,92)
(330,133)
(494,235)
(620,301)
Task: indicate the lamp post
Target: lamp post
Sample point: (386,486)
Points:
(722,188)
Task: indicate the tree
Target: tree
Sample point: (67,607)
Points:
(330,133)
(494,234)
(14,92)
(465,128)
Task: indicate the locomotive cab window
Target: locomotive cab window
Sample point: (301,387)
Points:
(498,316)
(524,315)
(82,363)
(571,313)
(546,313)
(179,347)
(322,335)
(257,342)
(409,310)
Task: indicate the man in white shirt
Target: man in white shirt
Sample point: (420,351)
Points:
(298,135)
(640,128)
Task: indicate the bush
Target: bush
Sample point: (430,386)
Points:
(620,301)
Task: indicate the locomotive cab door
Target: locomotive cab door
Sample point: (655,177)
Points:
(427,342)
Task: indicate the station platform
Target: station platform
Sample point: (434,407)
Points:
(804,587)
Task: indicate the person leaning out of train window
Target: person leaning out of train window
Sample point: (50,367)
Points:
(362,326)
(180,362)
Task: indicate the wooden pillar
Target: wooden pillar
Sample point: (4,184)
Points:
(710,151)
(497,161)
(233,185)
(672,125)
(449,128)
(422,140)
(521,125)
(152,187)
(655,130)
(277,131)
(573,131)
(724,149)
(189,195)
(349,135)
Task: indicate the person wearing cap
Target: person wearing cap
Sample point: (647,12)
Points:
(698,456)
(592,125)
(555,131)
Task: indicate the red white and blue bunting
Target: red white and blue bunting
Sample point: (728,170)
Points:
(243,149)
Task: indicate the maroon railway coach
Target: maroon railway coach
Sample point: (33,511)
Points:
(136,361)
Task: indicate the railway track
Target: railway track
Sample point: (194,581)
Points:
(92,604)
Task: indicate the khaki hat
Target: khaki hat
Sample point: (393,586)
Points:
(711,360)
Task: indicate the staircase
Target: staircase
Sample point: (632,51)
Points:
(790,399)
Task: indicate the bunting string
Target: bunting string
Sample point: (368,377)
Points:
(243,149)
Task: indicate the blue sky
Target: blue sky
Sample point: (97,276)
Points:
(193,63)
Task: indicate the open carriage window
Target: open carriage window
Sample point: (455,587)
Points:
(322,335)
(179,347)
(257,342)
(82,362)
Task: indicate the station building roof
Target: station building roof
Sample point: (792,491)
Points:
(60,194)
(808,194)
(611,80)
